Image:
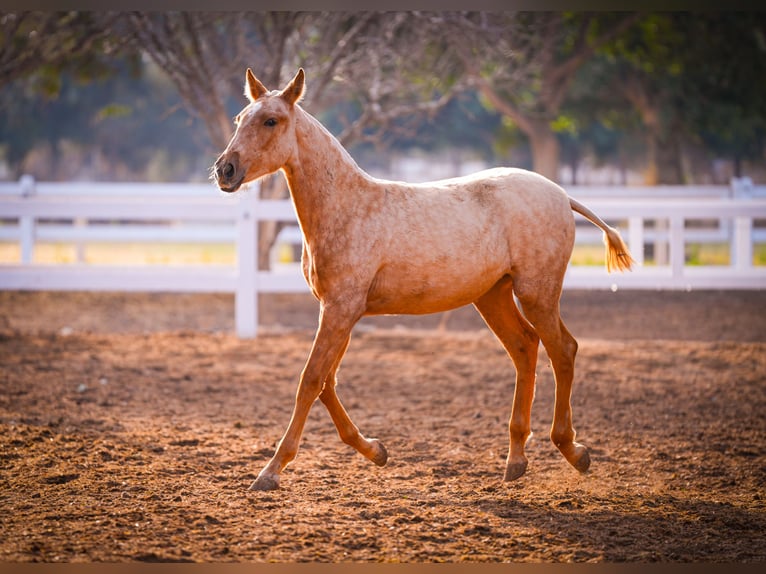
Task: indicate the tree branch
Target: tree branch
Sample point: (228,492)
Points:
(561,74)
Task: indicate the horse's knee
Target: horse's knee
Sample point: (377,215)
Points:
(328,388)
(310,386)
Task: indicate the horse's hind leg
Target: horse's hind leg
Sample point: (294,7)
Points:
(541,307)
(348,432)
(499,311)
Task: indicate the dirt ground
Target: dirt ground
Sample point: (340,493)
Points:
(132,425)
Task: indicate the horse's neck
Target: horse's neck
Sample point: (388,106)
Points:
(322,176)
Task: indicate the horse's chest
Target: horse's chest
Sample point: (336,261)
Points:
(309,272)
(316,270)
(330,271)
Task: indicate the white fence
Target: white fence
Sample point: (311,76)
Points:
(86,212)
(661,220)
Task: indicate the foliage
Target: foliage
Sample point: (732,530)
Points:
(153,93)
(375,59)
(43,45)
(721,97)
(675,77)
(524,65)
(123,122)
(461,124)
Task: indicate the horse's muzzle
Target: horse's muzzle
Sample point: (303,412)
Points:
(228,174)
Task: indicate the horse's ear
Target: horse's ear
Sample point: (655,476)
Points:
(294,90)
(254,89)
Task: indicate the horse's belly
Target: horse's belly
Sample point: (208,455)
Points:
(416,290)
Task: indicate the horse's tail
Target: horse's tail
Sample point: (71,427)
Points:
(617,254)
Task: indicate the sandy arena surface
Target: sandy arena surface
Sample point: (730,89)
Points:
(132,425)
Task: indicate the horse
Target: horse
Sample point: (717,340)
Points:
(372,247)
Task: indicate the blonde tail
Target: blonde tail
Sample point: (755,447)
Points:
(617,254)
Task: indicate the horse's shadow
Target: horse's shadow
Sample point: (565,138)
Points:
(639,527)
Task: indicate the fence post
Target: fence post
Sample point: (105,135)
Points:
(677,246)
(662,245)
(636,239)
(246,295)
(27,222)
(742,245)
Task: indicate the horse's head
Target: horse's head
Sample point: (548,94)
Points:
(265,136)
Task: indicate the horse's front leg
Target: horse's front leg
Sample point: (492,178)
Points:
(348,432)
(335,324)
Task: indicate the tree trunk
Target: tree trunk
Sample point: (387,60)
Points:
(670,170)
(663,161)
(623,163)
(545,150)
(651,172)
(545,146)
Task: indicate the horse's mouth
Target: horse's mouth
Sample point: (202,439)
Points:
(231,187)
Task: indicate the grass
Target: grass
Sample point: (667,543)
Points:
(126,253)
(225,254)
(697,254)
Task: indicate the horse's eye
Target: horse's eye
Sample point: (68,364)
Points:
(270,123)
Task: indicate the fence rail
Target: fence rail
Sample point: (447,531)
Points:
(31,212)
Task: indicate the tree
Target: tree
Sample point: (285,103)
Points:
(597,121)
(46,56)
(524,64)
(397,74)
(375,59)
(692,76)
(43,44)
(121,126)
(645,67)
(721,99)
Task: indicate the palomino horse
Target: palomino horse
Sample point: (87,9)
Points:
(375,247)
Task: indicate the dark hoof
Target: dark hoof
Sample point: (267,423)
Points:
(577,455)
(380,457)
(582,462)
(265,482)
(514,470)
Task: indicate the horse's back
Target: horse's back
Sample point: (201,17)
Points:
(514,177)
(515,194)
(503,205)
(533,212)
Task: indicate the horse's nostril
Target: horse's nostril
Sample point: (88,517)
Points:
(228,171)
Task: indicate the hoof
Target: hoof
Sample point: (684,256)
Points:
(578,457)
(514,470)
(380,456)
(265,482)
(582,460)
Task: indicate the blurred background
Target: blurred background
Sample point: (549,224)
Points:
(584,98)
(615,105)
